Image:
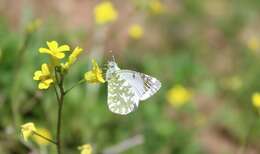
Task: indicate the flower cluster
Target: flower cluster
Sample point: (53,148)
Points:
(46,76)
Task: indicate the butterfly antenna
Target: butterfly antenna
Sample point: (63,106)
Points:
(113,57)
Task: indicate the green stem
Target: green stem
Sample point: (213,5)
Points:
(246,140)
(77,84)
(47,139)
(60,99)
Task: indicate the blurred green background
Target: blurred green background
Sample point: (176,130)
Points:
(205,53)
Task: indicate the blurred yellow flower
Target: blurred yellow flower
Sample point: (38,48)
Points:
(95,75)
(27,130)
(178,96)
(253,43)
(156,6)
(34,25)
(39,140)
(72,58)
(105,13)
(54,50)
(85,149)
(256,99)
(44,76)
(135,31)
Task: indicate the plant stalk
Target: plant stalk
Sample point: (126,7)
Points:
(60,100)
(47,139)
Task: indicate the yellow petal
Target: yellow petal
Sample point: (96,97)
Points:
(59,55)
(48,81)
(44,50)
(42,86)
(63,48)
(45,70)
(45,84)
(53,45)
(85,149)
(76,52)
(256,99)
(94,63)
(27,130)
(89,76)
(39,140)
(96,68)
(100,78)
(74,55)
(37,75)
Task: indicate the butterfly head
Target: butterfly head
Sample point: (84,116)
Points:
(112,66)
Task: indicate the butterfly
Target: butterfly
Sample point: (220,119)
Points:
(126,88)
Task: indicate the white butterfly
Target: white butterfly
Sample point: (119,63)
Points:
(126,88)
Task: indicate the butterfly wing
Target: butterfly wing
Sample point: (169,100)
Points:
(144,85)
(122,98)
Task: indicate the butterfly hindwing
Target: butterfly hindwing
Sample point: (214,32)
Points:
(122,98)
(144,85)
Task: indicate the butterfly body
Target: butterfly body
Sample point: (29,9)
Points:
(126,88)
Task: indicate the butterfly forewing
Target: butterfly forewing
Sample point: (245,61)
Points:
(144,85)
(126,88)
(122,98)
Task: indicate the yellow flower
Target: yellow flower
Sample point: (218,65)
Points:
(256,99)
(254,43)
(105,13)
(34,25)
(39,140)
(95,75)
(135,31)
(156,6)
(54,50)
(85,149)
(44,76)
(27,130)
(178,96)
(72,58)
